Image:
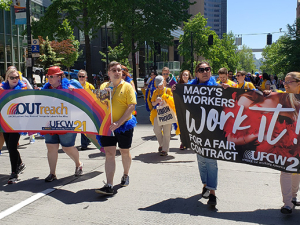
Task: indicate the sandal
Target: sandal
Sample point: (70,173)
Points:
(163,153)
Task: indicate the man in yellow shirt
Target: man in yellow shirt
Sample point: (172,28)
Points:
(223,76)
(123,102)
(82,76)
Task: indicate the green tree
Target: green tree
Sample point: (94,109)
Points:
(197,28)
(246,61)
(5,4)
(48,56)
(87,15)
(119,54)
(141,21)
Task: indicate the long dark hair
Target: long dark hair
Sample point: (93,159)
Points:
(181,81)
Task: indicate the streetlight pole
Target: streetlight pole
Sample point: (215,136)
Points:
(192,54)
(29,56)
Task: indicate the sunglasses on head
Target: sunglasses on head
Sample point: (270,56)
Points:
(206,69)
(81,76)
(13,78)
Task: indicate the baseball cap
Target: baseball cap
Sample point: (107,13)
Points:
(159,80)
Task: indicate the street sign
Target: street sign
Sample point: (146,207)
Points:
(35,46)
(35,55)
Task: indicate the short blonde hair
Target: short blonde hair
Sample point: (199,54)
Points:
(82,71)
(223,71)
(165,69)
(10,71)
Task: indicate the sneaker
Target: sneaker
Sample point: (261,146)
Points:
(51,177)
(78,170)
(295,202)
(212,200)
(31,139)
(286,210)
(21,167)
(13,178)
(159,149)
(106,190)
(181,147)
(205,193)
(125,181)
(163,153)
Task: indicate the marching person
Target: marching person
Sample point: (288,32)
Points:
(67,140)
(82,76)
(123,102)
(240,76)
(163,139)
(170,80)
(208,168)
(223,76)
(149,91)
(12,82)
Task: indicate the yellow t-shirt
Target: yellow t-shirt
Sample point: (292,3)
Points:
(159,93)
(88,85)
(248,85)
(122,96)
(229,82)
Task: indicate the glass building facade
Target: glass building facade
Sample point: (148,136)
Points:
(13,42)
(216,13)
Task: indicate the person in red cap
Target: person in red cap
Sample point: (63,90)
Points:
(67,140)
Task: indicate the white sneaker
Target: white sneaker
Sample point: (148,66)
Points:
(32,139)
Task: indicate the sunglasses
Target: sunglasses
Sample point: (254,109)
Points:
(289,82)
(81,76)
(51,76)
(14,78)
(206,69)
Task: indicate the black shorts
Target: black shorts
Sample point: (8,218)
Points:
(124,140)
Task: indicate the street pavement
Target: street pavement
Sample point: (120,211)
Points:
(162,190)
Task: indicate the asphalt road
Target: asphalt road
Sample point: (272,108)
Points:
(162,190)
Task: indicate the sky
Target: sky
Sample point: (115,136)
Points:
(259,16)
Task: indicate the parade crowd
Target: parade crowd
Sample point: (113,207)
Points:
(159,102)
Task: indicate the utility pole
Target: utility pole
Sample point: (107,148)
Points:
(192,54)
(29,56)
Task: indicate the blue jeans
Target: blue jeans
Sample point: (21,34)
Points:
(208,169)
(84,141)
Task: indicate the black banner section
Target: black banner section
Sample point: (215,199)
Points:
(240,126)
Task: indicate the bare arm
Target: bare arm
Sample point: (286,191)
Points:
(125,116)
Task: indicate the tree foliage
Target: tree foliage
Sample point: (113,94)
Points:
(48,57)
(119,54)
(221,54)
(141,21)
(283,55)
(5,4)
(245,59)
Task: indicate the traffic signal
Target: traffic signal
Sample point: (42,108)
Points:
(210,39)
(157,48)
(269,39)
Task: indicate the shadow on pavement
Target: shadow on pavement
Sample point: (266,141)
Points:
(192,206)
(154,157)
(182,152)
(36,184)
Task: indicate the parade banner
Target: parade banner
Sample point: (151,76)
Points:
(54,111)
(240,126)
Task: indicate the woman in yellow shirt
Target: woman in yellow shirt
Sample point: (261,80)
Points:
(240,76)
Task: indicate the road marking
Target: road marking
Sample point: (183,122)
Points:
(140,106)
(25,202)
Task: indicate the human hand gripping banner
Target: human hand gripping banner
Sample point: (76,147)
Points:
(54,111)
(240,126)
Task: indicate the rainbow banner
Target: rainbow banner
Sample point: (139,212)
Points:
(54,111)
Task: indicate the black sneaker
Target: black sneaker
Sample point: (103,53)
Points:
(296,202)
(51,177)
(13,178)
(106,190)
(84,148)
(159,149)
(286,210)
(205,193)
(125,181)
(212,200)
(21,167)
